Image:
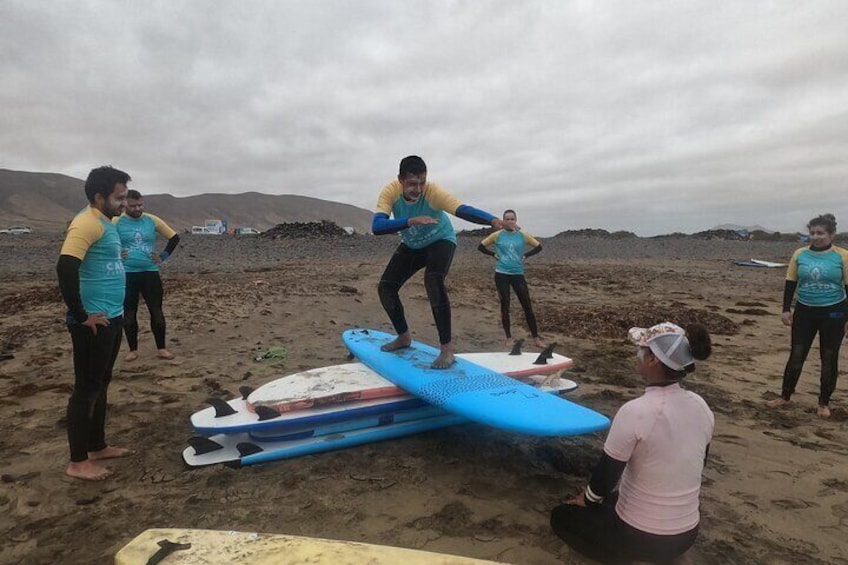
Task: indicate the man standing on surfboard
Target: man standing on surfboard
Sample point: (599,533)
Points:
(91,279)
(420,213)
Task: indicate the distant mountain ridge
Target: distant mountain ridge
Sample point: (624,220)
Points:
(46,201)
(737,227)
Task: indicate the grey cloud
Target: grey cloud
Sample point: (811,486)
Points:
(650,116)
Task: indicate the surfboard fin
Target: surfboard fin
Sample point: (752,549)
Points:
(222,408)
(266,413)
(547,353)
(246,448)
(516,347)
(203,445)
(350,356)
(166,548)
(245,391)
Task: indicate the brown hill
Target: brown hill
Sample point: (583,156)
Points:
(46,201)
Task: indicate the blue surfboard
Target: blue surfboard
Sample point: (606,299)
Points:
(347,425)
(242,450)
(473,391)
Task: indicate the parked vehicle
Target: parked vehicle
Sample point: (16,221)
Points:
(19,230)
(247,231)
(205,230)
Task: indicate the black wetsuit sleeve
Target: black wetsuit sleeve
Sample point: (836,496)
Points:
(172,244)
(68,270)
(789,293)
(604,479)
(485,250)
(533,251)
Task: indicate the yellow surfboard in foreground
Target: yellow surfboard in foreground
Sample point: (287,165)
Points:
(213,546)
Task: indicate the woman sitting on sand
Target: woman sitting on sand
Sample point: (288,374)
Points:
(820,274)
(657,447)
(512,247)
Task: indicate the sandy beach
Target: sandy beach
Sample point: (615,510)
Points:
(775,486)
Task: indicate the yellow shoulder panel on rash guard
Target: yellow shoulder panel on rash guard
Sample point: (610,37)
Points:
(491,239)
(388,196)
(83,232)
(161,227)
(844,254)
(792,271)
(530,240)
(441,199)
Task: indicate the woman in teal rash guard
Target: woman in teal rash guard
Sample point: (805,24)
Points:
(513,246)
(819,273)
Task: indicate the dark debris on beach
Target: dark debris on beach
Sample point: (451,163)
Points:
(613,322)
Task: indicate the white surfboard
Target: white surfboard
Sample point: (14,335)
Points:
(769,264)
(355,381)
(233,416)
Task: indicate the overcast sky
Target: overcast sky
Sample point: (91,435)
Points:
(645,116)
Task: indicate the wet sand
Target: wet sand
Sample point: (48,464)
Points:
(775,487)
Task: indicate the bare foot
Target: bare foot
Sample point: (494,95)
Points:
(87,470)
(777,402)
(400,342)
(445,358)
(164,354)
(823,412)
(109,452)
(131,356)
(537,341)
(508,342)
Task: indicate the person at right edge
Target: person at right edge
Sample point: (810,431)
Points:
(819,272)
(642,501)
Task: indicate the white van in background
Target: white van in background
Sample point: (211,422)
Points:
(204,230)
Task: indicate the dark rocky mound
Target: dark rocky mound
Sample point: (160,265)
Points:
(597,233)
(728,235)
(480,232)
(313,230)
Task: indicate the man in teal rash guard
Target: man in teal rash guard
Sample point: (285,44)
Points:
(91,279)
(138,231)
(419,211)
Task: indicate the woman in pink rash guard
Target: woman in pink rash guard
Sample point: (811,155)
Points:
(641,503)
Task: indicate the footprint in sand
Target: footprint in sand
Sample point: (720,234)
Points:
(156,476)
(793,504)
(841,512)
(44,358)
(835,484)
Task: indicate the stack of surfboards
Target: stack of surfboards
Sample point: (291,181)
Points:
(385,396)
